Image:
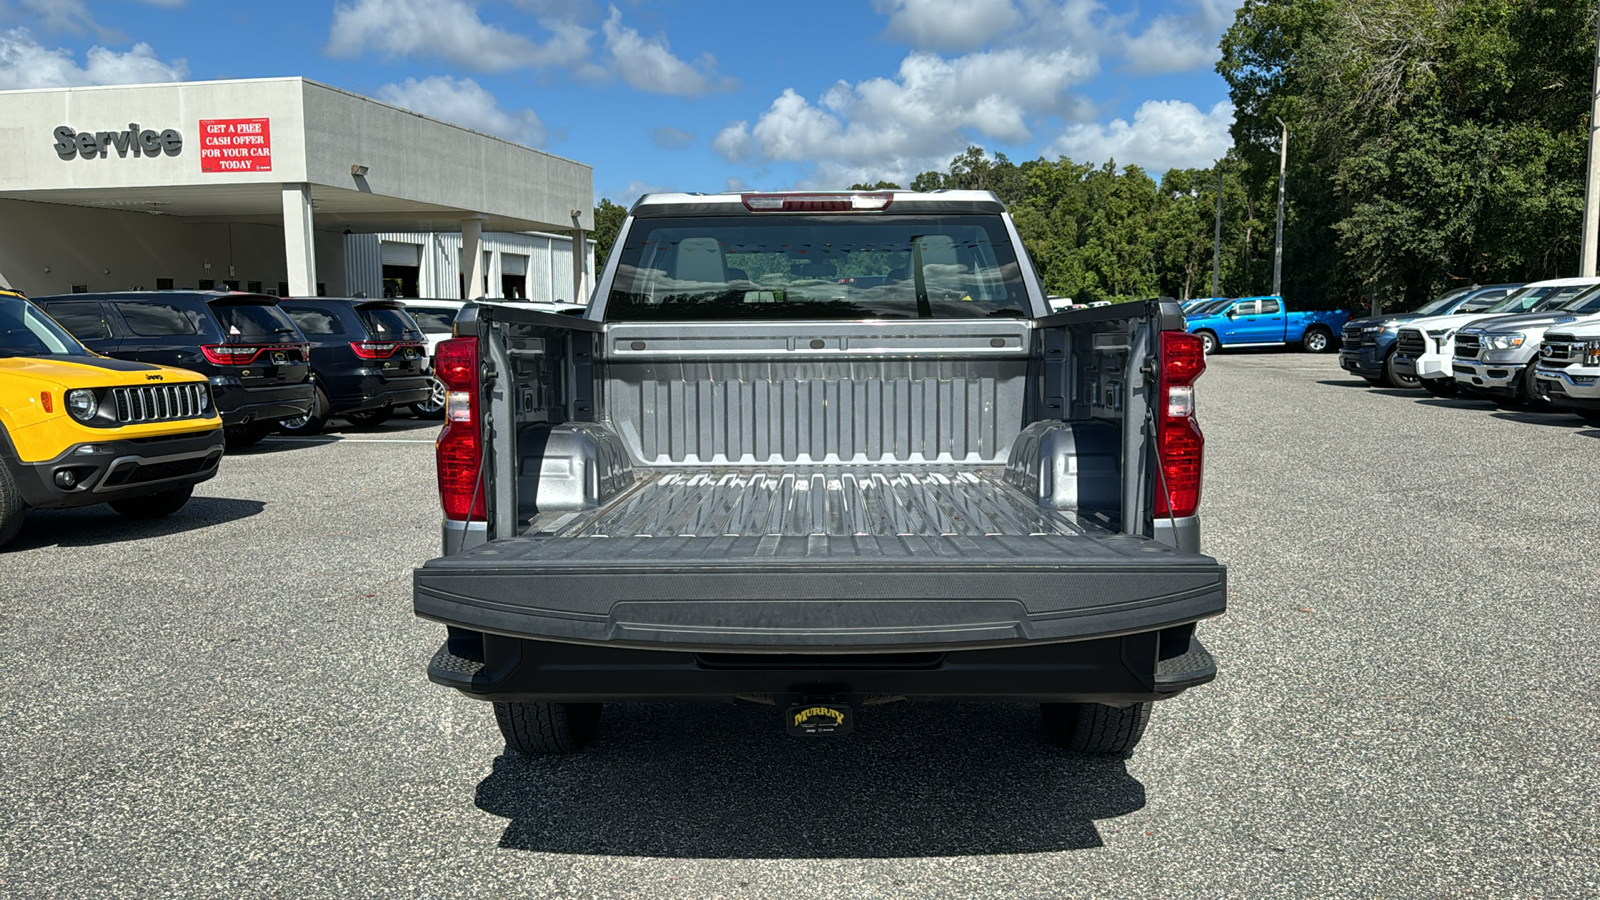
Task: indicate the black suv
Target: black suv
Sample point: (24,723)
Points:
(367,357)
(258,362)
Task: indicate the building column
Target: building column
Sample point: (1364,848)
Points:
(580,269)
(472,257)
(298,246)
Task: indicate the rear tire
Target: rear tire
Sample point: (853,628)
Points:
(1316,340)
(1208,342)
(1396,380)
(370,418)
(12,509)
(1440,387)
(547,729)
(154,506)
(311,423)
(1096,727)
(433,407)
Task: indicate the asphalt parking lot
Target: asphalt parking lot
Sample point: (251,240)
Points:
(232,701)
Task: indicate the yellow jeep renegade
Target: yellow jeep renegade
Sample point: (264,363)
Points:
(78,428)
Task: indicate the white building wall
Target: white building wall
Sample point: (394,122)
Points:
(47,248)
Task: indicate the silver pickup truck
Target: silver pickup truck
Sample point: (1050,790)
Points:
(820,451)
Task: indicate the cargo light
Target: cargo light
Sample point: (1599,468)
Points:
(459,450)
(817,202)
(1180,447)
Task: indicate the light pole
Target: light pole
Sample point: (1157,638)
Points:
(1591,192)
(1277,253)
(1216,241)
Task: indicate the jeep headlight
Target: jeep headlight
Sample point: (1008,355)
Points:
(83,404)
(1508,341)
(1591,354)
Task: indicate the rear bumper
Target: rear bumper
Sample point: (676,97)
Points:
(103,471)
(371,392)
(241,406)
(1127,669)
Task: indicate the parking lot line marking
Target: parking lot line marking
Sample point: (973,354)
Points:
(344,440)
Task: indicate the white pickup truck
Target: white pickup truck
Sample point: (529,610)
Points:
(1568,371)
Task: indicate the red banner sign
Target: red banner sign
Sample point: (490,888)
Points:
(236,145)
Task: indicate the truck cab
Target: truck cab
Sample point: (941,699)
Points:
(78,428)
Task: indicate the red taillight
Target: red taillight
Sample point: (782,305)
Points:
(231,354)
(459,451)
(1180,447)
(382,349)
(816,202)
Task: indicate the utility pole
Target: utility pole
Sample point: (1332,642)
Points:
(1216,241)
(1591,192)
(1277,253)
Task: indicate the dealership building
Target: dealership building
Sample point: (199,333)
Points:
(279,185)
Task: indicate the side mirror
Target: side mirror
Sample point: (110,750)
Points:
(1232,311)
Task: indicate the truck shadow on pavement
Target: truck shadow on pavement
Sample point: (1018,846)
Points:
(1556,419)
(92,526)
(723,781)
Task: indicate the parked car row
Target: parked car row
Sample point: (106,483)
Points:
(272,363)
(1534,345)
(1260,322)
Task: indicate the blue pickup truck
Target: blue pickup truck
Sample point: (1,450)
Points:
(1264,322)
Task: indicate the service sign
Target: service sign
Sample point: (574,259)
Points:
(235,145)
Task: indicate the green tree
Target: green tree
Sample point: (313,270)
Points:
(608,218)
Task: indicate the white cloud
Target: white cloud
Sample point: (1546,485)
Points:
(1164,134)
(25,63)
(648,65)
(1180,43)
(930,110)
(449,30)
(948,24)
(669,138)
(465,102)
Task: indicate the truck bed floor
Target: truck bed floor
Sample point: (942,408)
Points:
(837,502)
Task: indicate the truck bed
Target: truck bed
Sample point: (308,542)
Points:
(864,560)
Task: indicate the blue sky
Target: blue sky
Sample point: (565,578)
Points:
(693,94)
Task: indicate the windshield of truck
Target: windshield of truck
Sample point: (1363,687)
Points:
(1438,305)
(1537,299)
(1210,306)
(1584,303)
(27,331)
(817,267)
